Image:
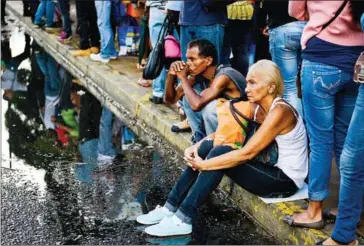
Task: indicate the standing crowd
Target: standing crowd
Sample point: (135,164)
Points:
(271,91)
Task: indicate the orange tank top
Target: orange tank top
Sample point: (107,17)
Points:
(229,132)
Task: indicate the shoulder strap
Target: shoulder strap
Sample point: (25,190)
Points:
(338,12)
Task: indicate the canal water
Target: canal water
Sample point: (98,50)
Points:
(48,196)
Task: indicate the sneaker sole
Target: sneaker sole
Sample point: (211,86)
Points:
(167,235)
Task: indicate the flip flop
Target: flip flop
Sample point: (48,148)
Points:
(313,225)
(328,216)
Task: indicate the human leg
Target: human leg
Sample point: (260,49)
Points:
(93,31)
(209,116)
(105,145)
(352,177)
(64,6)
(285,48)
(103,9)
(50,9)
(81,8)
(40,13)
(321,85)
(213,33)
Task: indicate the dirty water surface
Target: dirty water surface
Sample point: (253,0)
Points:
(49,197)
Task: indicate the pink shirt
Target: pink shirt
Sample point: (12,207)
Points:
(342,31)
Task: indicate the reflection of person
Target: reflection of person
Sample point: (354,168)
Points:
(13,79)
(280,122)
(202,82)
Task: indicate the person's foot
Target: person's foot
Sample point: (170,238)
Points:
(86,52)
(95,50)
(53,29)
(330,241)
(123,51)
(64,38)
(169,226)
(182,126)
(156,100)
(144,82)
(98,58)
(154,216)
(305,220)
(39,25)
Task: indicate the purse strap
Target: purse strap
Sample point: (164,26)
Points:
(338,12)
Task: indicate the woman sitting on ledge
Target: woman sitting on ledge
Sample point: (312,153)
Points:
(280,122)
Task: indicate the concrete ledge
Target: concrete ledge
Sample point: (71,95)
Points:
(115,86)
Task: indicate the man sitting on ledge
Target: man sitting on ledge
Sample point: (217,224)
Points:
(202,81)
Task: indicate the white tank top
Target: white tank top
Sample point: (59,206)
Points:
(292,148)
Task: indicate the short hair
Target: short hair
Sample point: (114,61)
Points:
(24,76)
(205,48)
(269,72)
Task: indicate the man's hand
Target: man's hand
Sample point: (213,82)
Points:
(264,31)
(179,69)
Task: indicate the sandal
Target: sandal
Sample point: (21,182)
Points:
(328,216)
(182,126)
(312,225)
(144,82)
(340,243)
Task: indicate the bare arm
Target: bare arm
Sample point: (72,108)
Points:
(172,94)
(277,121)
(197,102)
(298,9)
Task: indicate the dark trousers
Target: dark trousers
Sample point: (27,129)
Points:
(3,3)
(237,40)
(90,115)
(193,187)
(64,6)
(87,24)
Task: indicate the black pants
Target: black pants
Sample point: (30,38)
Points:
(87,24)
(3,3)
(90,115)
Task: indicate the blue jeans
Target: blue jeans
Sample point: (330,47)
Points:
(352,176)
(45,8)
(203,122)
(103,9)
(213,33)
(52,80)
(285,48)
(329,96)
(105,145)
(193,187)
(64,6)
(88,151)
(156,19)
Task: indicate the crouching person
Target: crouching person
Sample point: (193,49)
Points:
(202,82)
(280,122)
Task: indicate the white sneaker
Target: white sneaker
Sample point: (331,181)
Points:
(169,226)
(154,216)
(123,51)
(97,57)
(104,160)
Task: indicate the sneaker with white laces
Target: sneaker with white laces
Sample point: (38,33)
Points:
(97,57)
(154,216)
(169,226)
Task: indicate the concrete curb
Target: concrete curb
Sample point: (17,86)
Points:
(118,91)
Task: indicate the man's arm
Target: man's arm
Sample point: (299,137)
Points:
(197,102)
(171,93)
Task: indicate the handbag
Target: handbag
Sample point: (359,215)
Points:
(155,62)
(299,68)
(269,155)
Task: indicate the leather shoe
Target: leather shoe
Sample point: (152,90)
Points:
(156,100)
